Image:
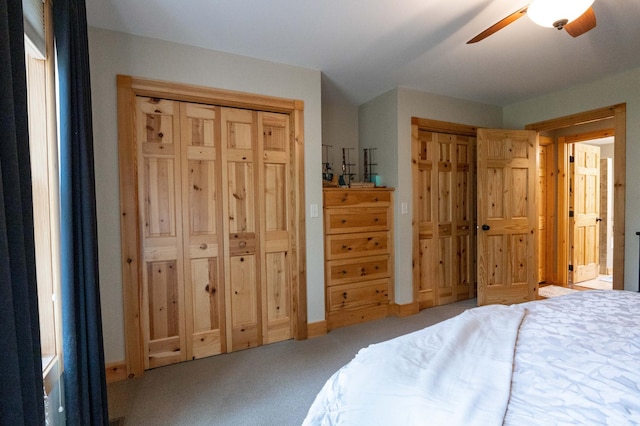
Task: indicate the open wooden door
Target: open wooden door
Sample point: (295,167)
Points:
(584,216)
(507,216)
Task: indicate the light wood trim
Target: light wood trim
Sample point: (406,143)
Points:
(298,245)
(564,175)
(201,94)
(116,371)
(317,329)
(415,211)
(619,193)
(575,119)
(130,257)
(596,134)
(405,310)
(551,235)
(444,127)
(127,89)
(619,115)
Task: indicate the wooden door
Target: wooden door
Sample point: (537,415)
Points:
(239,149)
(507,172)
(159,188)
(584,216)
(274,139)
(202,230)
(444,179)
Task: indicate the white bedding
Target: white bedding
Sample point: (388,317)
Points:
(573,359)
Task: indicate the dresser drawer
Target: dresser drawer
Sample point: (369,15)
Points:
(340,221)
(358,295)
(351,198)
(357,269)
(343,246)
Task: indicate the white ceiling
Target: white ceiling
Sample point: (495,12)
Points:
(366,47)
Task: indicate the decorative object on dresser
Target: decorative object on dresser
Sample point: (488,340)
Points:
(358,225)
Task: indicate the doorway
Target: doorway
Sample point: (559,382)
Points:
(575,208)
(563,238)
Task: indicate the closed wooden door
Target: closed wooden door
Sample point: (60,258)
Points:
(276,221)
(444,176)
(159,189)
(507,216)
(584,217)
(202,229)
(256,180)
(240,179)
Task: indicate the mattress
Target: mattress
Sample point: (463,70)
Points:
(573,359)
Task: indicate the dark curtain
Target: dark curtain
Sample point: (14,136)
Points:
(21,392)
(84,372)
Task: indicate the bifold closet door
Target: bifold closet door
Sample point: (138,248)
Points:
(182,276)
(159,199)
(446,214)
(274,142)
(256,147)
(239,149)
(202,229)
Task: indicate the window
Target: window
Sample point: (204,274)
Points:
(44,178)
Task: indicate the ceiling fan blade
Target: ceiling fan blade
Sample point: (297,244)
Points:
(582,24)
(500,25)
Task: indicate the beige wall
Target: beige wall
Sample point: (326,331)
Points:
(113,53)
(385,123)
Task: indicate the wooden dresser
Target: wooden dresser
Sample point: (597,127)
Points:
(358,241)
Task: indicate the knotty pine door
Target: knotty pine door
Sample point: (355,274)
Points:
(444,196)
(215,223)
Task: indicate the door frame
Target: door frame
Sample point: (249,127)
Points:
(128,88)
(618,114)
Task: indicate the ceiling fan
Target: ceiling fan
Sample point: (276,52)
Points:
(575,16)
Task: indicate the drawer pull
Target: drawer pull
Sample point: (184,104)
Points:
(375,199)
(203,246)
(343,221)
(376,220)
(242,244)
(344,272)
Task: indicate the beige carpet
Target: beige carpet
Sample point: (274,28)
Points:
(604,282)
(554,290)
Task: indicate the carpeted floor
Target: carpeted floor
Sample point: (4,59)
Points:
(603,282)
(554,291)
(269,385)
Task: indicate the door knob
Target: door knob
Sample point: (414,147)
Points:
(598,219)
(485,227)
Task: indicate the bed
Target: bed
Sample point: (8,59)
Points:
(572,359)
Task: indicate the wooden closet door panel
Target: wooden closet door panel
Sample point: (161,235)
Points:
(241,237)
(274,144)
(202,242)
(244,303)
(158,163)
(446,235)
(427,218)
(464,218)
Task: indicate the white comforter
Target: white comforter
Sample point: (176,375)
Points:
(573,359)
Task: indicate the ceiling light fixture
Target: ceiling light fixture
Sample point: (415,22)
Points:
(556,13)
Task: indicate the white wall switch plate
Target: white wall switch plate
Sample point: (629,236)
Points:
(314,210)
(404,208)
